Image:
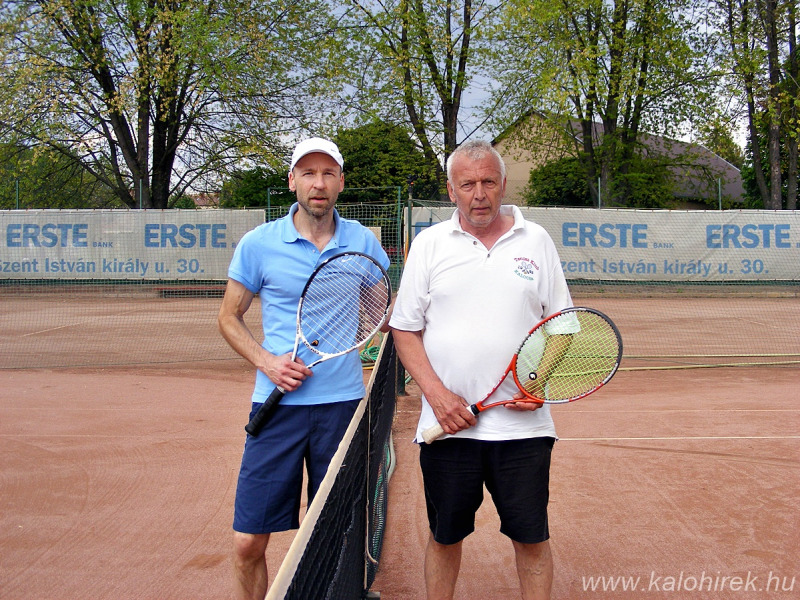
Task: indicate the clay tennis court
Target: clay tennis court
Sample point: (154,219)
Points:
(118,481)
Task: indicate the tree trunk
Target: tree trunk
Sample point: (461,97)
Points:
(774,107)
(794,90)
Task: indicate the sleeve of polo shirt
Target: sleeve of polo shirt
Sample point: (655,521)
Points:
(245,265)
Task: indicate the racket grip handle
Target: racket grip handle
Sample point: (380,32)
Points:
(431,434)
(264,413)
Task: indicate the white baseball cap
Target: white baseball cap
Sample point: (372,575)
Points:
(316,144)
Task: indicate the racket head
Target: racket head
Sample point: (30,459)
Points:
(567,356)
(344,303)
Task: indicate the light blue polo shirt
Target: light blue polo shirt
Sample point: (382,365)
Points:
(275,262)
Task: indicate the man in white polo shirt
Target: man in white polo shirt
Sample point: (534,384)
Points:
(471,289)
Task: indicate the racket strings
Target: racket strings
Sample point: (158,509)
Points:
(344,304)
(574,354)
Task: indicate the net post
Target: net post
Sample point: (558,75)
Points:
(400,379)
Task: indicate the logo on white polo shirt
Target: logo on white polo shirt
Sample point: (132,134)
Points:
(526,268)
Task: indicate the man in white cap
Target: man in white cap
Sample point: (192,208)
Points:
(274,260)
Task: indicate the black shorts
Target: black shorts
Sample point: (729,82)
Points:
(516,473)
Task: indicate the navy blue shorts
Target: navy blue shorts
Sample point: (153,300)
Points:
(271,476)
(516,473)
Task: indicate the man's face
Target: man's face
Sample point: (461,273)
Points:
(317,180)
(477,188)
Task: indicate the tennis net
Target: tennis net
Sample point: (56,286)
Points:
(336,551)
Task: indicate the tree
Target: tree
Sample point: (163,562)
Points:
(558,183)
(716,136)
(381,154)
(415,60)
(753,180)
(647,184)
(378,159)
(615,68)
(253,187)
(153,96)
(761,39)
(44,178)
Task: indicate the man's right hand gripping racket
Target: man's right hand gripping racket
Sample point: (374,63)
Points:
(344,303)
(567,356)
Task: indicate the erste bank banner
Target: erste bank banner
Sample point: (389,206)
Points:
(661,245)
(121,244)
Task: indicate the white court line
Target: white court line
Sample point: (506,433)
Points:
(698,437)
(92,320)
(680,410)
(53,329)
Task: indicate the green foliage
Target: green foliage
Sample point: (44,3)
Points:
(559,183)
(380,155)
(157,96)
(183,201)
(752,195)
(761,40)
(44,178)
(256,187)
(646,184)
(153,96)
(415,63)
(378,159)
(610,70)
(716,136)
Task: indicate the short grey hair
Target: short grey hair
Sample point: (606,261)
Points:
(475,150)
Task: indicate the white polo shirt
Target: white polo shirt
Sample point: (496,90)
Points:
(475,307)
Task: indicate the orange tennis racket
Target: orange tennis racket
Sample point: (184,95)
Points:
(565,357)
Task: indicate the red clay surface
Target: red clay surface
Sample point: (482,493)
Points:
(118,483)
